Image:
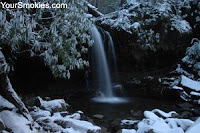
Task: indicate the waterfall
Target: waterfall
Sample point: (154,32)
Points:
(102,72)
(112,58)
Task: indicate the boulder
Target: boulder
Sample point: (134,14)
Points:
(56,105)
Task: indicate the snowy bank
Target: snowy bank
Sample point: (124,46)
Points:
(163,123)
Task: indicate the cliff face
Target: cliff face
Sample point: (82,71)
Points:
(151,36)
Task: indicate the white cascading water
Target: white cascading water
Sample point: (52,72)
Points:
(102,71)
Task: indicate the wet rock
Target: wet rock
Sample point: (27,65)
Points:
(104,130)
(98,116)
(137,114)
(2,126)
(185,106)
(196,112)
(115,125)
(31,101)
(186,115)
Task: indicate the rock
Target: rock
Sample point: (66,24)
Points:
(128,124)
(5,104)
(174,115)
(31,101)
(2,126)
(115,125)
(98,116)
(62,123)
(185,106)
(196,112)
(38,113)
(195,127)
(53,106)
(186,115)
(104,130)
(126,131)
(63,114)
(151,131)
(137,114)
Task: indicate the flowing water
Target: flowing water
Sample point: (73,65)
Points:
(104,84)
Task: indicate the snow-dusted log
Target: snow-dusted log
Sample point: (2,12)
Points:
(93,10)
(11,95)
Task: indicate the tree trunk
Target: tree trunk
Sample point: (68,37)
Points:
(11,95)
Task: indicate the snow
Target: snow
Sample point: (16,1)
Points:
(135,25)
(16,122)
(180,70)
(153,123)
(5,104)
(186,82)
(59,122)
(150,115)
(193,55)
(195,128)
(83,126)
(128,122)
(37,113)
(177,88)
(128,131)
(164,114)
(76,116)
(53,105)
(195,93)
(181,25)
(183,123)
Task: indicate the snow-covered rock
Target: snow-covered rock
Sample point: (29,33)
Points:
(128,131)
(189,83)
(16,122)
(128,122)
(53,117)
(164,114)
(37,113)
(193,55)
(5,104)
(195,128)
(53,105)
(153,123)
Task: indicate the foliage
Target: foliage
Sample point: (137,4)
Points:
(192,58)
(59,36)
(154,19)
